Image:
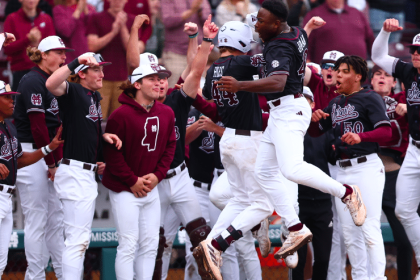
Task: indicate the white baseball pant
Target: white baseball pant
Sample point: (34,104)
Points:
(337,268)
(137,222)
(408,197)
(43,218)
(249,205)
(77,190)
(281,151)
(6,225)
(370,177)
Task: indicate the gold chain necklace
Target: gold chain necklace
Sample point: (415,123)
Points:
(336,91)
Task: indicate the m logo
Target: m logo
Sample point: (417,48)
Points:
(151,132)
(155,67)
(417,39)
(36,99)
(333,55)
(152,59)
(61,41)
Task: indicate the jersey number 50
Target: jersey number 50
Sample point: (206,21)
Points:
(218,96)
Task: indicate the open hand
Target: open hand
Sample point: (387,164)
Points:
(113,139)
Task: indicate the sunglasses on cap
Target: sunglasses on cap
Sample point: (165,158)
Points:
(327,66)
(98,57)
(6,88)
(413,49)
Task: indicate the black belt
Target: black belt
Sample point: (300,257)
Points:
(415,143)
(278,101)
(347,163)
(243,132)
(10,190)
(34,146)
(198,184)
(173,173)
(86,166)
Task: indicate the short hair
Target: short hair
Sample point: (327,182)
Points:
(359,65)
(277,8)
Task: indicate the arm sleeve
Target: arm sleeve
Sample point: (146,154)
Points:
(169,153)
(64,22)
(380,52)
(40,133)
(315,80)
(114,158)
(207,108)
(170,19)
(377,135)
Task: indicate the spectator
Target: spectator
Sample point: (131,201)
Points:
(233,10)
(157,39)
(175,13)
(70,20)
(347,30)
(14,5)
(30,26)
(108,33)
(380,10)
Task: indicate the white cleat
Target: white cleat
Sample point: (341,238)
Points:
(209,261)
(294,241)
(263,239)
(357,208)
(291,260)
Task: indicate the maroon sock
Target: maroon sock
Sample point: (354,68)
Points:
(257,227)
(296,227)
(349,190)
(216,244)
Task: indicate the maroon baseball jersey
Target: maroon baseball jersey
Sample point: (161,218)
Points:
(148,143)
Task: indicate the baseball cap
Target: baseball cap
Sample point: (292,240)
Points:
(416,41)
(147,70)
(98,57)
(148,58)
(5,89)
(251,19)
(52,43)
(308,93)
(331,56)
(237,35)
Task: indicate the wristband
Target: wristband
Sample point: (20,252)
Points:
(193,36)
(74,64)
(51,167)
(5,37)
(44,151)
(47,148)
(208,40)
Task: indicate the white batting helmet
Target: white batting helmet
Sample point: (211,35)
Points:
(237,35)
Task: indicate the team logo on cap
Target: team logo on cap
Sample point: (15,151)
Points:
(155,67)
(61,41)
(6,151)
(152,59)
(53,107)
(333,55)
(223,28)
(275,63)
(94,113)
(36,99)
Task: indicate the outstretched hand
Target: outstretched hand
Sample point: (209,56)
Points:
(113,139)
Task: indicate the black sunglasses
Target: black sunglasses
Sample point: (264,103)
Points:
(413,49)
(327,66)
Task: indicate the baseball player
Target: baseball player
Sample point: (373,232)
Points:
(12,157)
(285,57)
(358,121)
(407,191)
(134,198)
(391,154)
(37,120)
(75,183)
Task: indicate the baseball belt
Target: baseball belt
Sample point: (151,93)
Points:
(277,102)
(347,162)
(86,166)
(415,143)
(9,189)
(173,173)
(243,132)
(202,185)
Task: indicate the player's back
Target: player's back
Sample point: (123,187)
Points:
(240,110)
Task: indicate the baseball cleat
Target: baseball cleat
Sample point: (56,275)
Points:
(294,241)
(357,208)
(291,260)
(263,239)
(209,261)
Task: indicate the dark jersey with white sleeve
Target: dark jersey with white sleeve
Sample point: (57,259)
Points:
(81,113)
(239,110)
(286,54)
(180,103)
(410,77)
(201,162)
(10,151)
(35,97)
(360,112)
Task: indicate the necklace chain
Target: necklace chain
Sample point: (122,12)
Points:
(336,91)
(147,107)
(288,30)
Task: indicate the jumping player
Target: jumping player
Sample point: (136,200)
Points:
(281,146)
(407,191)
(75,183)
(13,157)
(37,120)
(358,120)
(131,180)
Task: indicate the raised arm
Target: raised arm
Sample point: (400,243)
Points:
(380,45)
(192,82)
(312,24)
(271,84)
(56,83)
(133,50)
(191,29)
